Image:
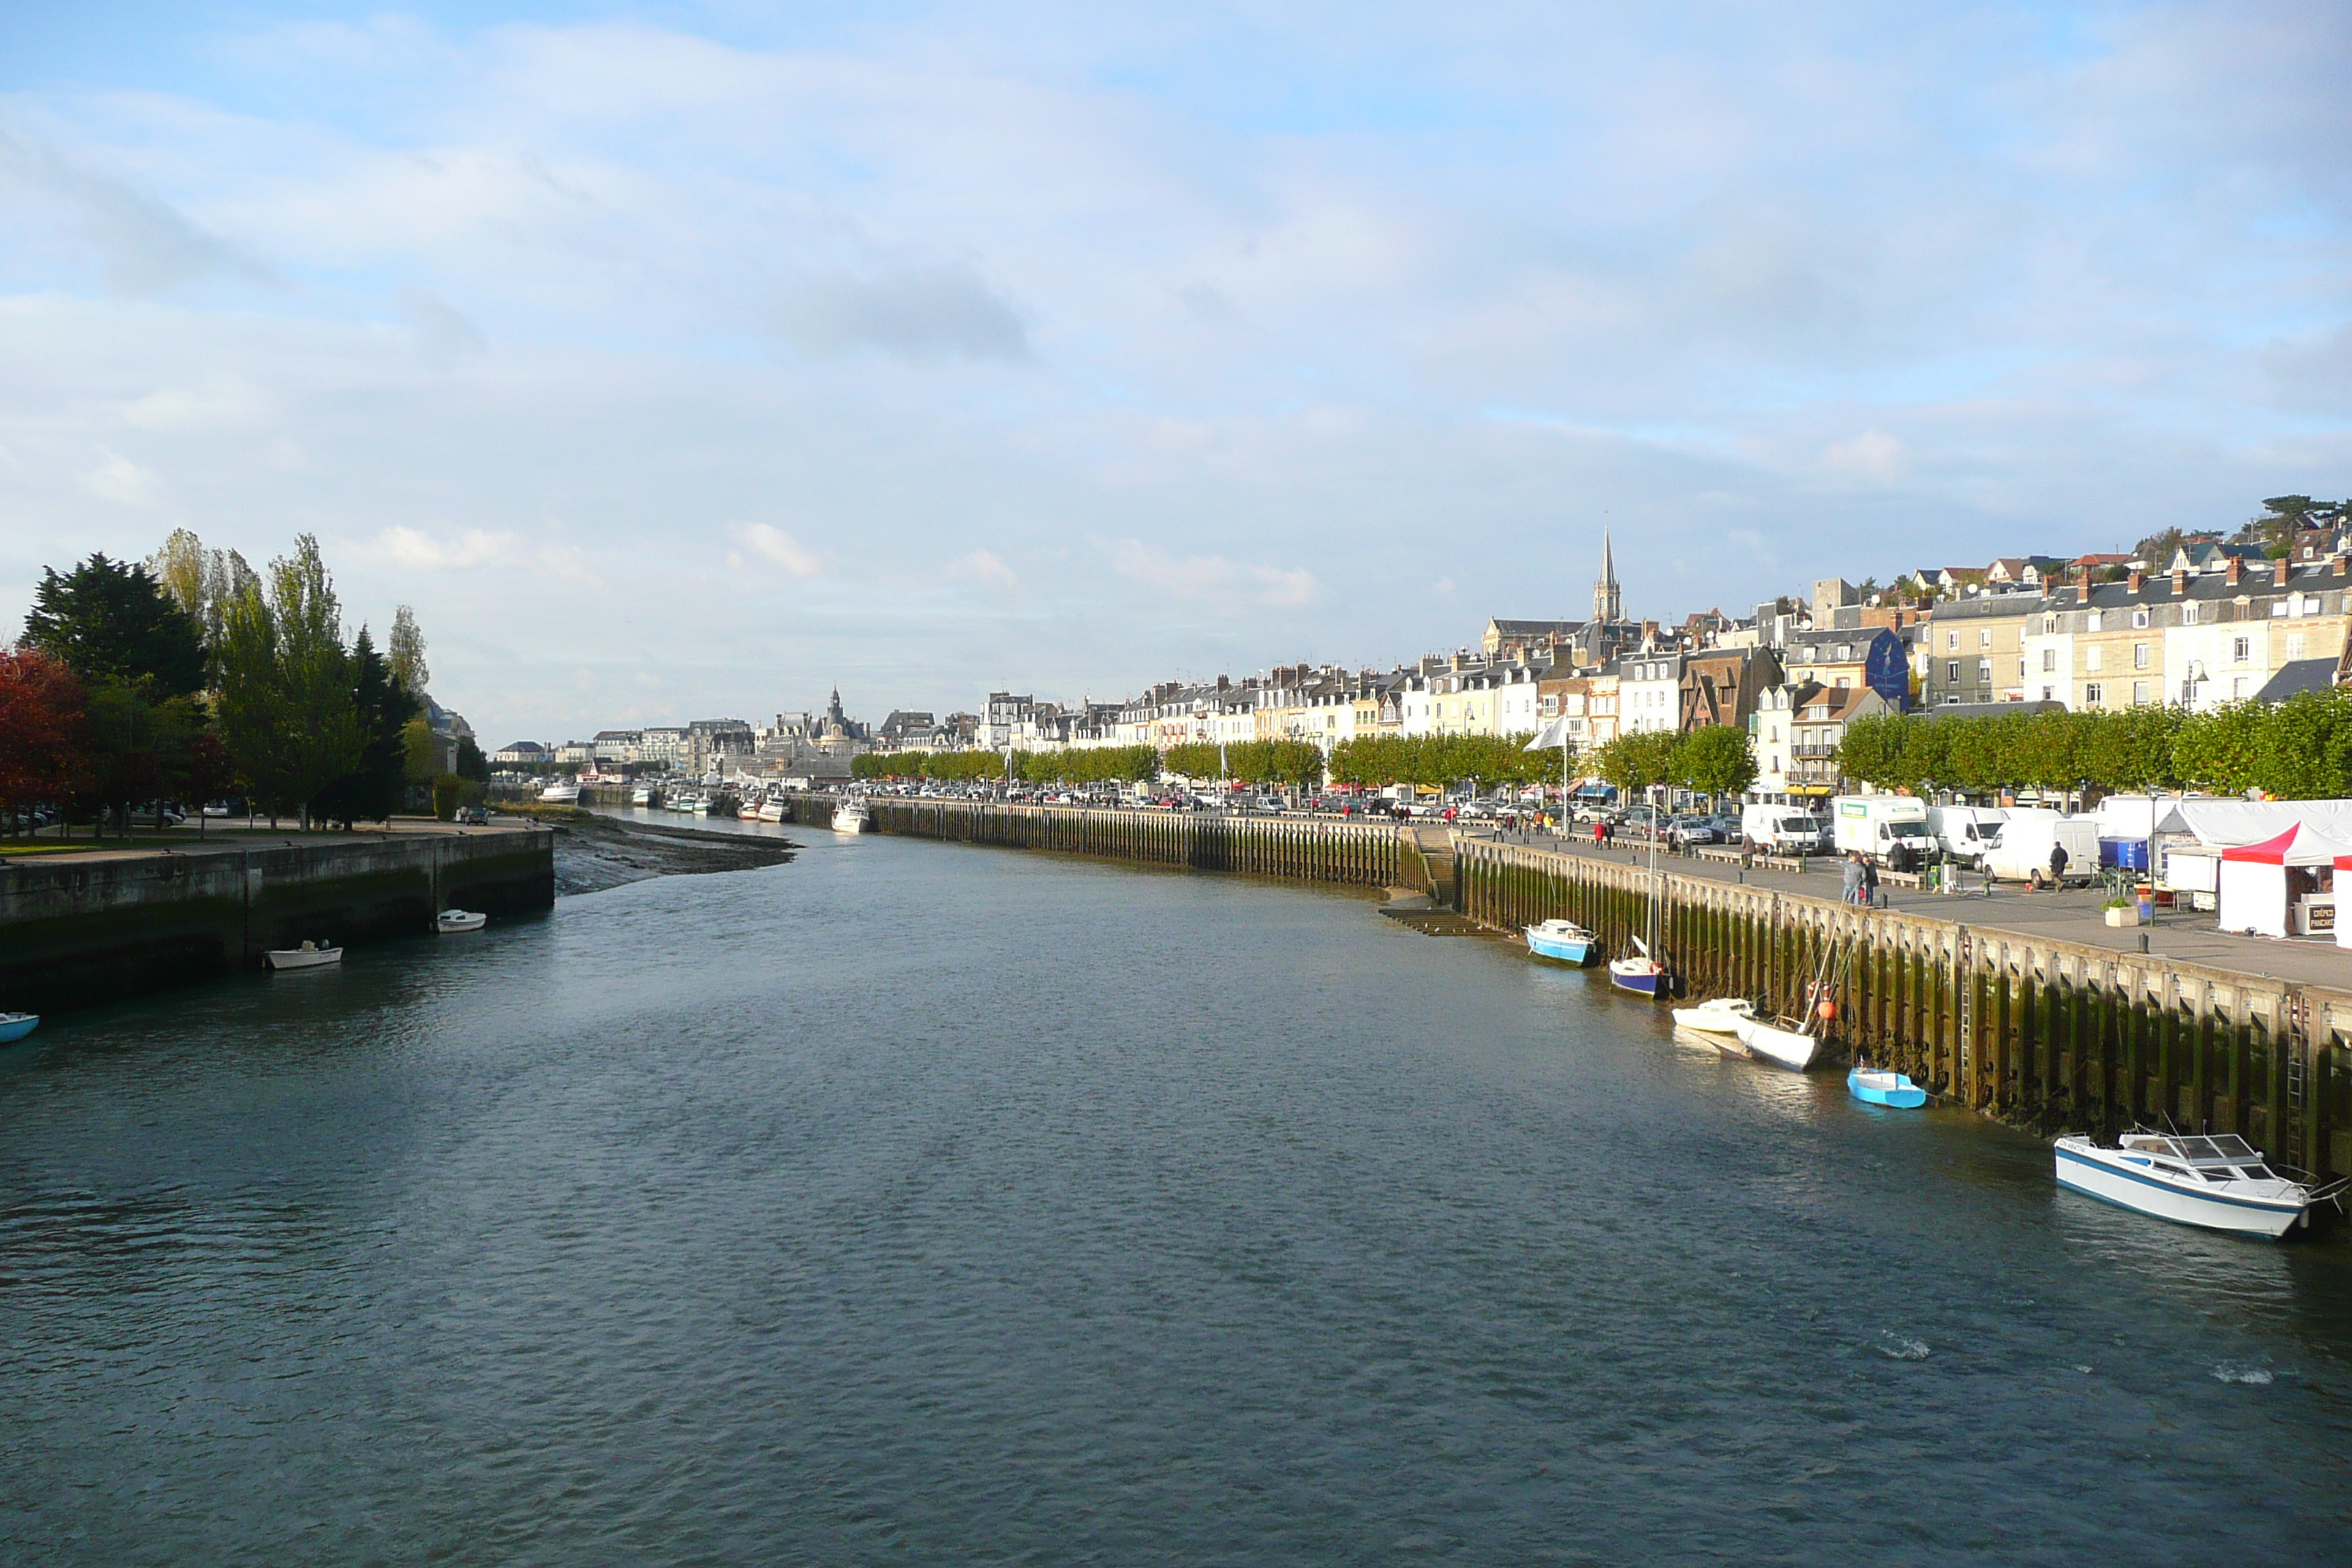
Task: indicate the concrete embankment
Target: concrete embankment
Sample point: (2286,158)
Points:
(76,930)
(2026,1026)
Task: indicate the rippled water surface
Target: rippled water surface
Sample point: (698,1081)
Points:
(915,1204)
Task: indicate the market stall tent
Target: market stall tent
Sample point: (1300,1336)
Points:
(2260,884)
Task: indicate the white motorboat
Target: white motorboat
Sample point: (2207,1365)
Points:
(309,955)
(14,1026)
(563,792)
(449,923)
(747,812)
(642,795)
(1562,940)
(772,809)
(849,816)
(1716,1014)
(2219,1182)
(1769,1042)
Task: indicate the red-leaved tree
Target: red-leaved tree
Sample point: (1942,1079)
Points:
(42,757)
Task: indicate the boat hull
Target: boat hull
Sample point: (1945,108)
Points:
(14,1026)
(2147,1195)
(299,958)
(1638,976)
(1577,950)
(451,922)
(1709,1020)
(1889,1088)
(849,821)
(1781,1048)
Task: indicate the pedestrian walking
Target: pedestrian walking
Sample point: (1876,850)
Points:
(1869,884)
(1849,878)
(2057,866)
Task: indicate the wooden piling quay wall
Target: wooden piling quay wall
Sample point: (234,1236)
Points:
(2055,1035)
(1360,854)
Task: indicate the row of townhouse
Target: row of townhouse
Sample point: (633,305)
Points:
(2198,639)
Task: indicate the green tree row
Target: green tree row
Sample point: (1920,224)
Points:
(1435,761)
(192,675)
(2300,749)
(955,767)
(1295,763)
(1716,760)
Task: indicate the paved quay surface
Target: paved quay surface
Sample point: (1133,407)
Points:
(218,840)
(2073,916)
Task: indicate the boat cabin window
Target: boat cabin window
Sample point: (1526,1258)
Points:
(2169,1169)
(2256,1174)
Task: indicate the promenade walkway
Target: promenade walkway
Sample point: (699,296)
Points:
(2074,916)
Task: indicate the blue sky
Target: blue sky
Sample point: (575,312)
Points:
(685,360)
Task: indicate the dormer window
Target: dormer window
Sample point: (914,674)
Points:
(2188,614)
(2049,624)
(2091,622)
(2139,620)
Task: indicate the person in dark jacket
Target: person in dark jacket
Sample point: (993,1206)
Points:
(2057,865)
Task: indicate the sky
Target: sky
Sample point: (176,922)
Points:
(678,360)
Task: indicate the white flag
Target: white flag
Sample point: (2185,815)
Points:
(1552,734)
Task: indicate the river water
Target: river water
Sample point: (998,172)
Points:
(916,1204)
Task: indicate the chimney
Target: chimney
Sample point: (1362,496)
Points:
(2280,571)
(2179,581)
(2237,569)
(2134,581)
(2335,565)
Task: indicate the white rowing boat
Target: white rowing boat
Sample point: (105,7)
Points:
(449,923)
(309,955)
(1716,1014)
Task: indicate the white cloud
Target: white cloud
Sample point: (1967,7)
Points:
(774,545)
(418,551)
(1213,581)
(1872,455)
(119,479)
(986,568)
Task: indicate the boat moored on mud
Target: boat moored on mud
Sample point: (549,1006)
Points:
(1563,939)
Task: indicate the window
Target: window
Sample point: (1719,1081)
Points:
(2238,689)
(2091,695)
(2093,624)
(2049,693)
(2282,607)
(2049,624)
(1952,670)
(2140,656)
(2294,645)
(1951,642)
(2188,614)
(1984,670)
(1844,681)
(2020,669)
(2139,620)
(2238,648)
(1984,638)
(2049,660)
(2139,694)
(2091,657)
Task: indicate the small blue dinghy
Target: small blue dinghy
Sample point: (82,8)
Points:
(14,1026)
(1884,1088)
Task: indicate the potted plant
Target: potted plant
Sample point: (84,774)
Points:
(2121,911)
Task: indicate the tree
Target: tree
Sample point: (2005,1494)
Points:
(208,772)
(203,583)
(1876,750)
(374,788)
(2157,551)
(42,760)
(1714,759)
(287,709)
(107,619)
(406,651)
(137,745)
(1637,759)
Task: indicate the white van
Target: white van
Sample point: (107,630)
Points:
(1875,823)
(1965,832)
(2022,853)
(1784,828)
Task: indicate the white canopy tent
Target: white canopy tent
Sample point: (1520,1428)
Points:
(2260,883)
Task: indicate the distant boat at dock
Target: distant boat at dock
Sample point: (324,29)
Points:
(309,955)
(849,816)
(1877,1087)
(770,809)
(563,792)
(449,923)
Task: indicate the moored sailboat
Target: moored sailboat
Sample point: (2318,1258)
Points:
(1563,939)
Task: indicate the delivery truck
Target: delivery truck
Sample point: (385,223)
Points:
(1965,832)
(2022,853)
(1877,824)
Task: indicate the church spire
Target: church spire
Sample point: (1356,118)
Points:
(1607,605)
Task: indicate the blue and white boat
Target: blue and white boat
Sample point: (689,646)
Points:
(14,1026)
(1641,975)
(1879,1088)
(2218,1182)
(1563,939)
